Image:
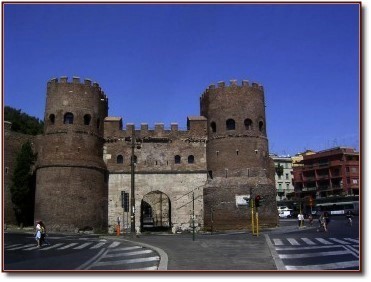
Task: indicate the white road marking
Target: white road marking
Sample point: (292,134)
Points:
(323,241)
(82,246)
(309,255)
(293,242)
(328,266)
(68,246)
(308,241)
(127,261)
(128,254)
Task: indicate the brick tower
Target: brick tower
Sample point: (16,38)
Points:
(71,176)
(238,159)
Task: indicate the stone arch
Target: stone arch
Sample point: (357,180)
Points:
(155,214)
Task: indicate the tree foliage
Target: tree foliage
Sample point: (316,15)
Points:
(22,122)
(279,170)
(23,185)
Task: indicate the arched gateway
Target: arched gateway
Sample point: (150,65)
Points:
(155,212)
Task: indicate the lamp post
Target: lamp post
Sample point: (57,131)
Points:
(132,172)
(132,191)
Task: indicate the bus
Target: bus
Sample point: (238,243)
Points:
(337,208)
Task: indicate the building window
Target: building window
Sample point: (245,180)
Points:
(248,124)
(98,123)
(177,159)
(6,170)
(287,186)
(287,176)
(68,118)
(87,119)
(230,124)
(52,119)
(191,159)
(261,126)
(213,127)
(120,159)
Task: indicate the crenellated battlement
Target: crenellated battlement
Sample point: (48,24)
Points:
(233,84)
(196,127)
(63,80)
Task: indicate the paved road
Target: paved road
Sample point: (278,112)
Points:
(287,248)
(77,253)
(239,251)
(306,248)
(317,253)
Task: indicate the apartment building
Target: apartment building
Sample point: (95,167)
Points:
(283,177)
(327,173)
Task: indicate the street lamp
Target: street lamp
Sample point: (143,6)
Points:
(132,171)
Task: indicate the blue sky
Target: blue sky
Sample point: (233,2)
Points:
(154,62)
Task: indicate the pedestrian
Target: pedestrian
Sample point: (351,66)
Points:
(38,233)
(43,234)
(349,216)
(300,219)
(310,218)
(326,220)
(321,221)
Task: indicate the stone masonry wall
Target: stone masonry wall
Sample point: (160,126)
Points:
(178,187)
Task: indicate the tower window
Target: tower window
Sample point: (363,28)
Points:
(98,123)
(213,126)
(191,159)
(68,118)
(52,119)
(87,119)
(261,126)
(248,124)
(120,159)
(177,159)
(230,124)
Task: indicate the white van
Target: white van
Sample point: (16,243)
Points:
(285,213)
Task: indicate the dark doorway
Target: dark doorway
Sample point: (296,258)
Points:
(155,212)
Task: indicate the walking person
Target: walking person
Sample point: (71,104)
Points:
(326,220)
(310,217)
(322,223)
(349,217)
(300,219)
(43,234)
(38,234)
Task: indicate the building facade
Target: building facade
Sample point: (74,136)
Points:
(183,178)
(328,173)
(283,177)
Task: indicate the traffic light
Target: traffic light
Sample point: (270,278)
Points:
(310,201)
(257,201)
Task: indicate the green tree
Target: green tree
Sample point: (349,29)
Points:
(22,122)
(279,170)
(23,185)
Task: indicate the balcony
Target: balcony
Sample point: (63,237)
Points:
(322,176)
(305,189)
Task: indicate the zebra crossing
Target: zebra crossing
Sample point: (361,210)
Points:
(62,246)
(314,241)
(125,258)
(111,255)
(317,253)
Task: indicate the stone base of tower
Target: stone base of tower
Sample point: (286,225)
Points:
(71,198)
(225,208)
